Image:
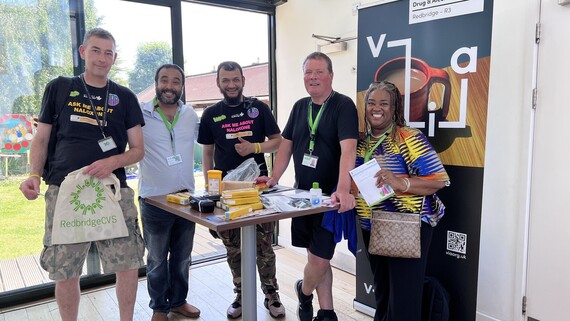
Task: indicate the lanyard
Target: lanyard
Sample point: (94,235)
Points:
(169,125)
(371,150)
(93,105)
(313,125)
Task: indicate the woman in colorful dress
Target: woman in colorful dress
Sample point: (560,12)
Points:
(411,166)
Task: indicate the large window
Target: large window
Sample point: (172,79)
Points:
(144,40)
(212,35)
(35,46)
(39,41)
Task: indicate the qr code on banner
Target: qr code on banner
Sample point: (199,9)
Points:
(456,242)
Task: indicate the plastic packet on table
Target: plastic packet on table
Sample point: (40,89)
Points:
(248,170)
(285,203)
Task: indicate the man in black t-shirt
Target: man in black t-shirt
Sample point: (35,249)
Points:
(92,130)
(232,131)
(321,135)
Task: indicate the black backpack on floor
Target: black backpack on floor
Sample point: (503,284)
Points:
(435,301)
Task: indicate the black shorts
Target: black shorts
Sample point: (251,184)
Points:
(308,232)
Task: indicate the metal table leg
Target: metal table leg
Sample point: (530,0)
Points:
(248,275)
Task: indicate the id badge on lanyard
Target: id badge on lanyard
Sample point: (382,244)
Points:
(106,144)
(174,159)
(310,160)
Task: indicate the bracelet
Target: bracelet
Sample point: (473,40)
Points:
(35,175)
(257,148)
(407,181)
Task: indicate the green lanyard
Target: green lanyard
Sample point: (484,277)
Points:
(371,150)
(313,125)
(169,125)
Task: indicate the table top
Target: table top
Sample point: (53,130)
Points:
(213,221)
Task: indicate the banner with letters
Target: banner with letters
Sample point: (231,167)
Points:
(438,53)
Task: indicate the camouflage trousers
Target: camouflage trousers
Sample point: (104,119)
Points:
(65,261)
(265,256)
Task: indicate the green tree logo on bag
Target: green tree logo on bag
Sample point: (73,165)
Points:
(90,185)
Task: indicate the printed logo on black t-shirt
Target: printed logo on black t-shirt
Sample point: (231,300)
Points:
(253,112)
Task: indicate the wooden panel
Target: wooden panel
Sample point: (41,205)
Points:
(44,273)
(211,290)
(30,270)
(11,277)
(38,313)
(18,315)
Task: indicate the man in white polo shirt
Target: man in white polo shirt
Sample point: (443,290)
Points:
(168,166)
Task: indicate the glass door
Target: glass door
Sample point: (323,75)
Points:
(35,47)
(39,41)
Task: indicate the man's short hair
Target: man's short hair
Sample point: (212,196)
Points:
(99,33)
(169,66)
(229,66)
(319,55)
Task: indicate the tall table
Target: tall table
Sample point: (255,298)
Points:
(248,239)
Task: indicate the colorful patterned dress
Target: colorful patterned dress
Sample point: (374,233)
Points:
(407,153)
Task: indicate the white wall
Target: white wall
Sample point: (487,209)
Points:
(508,128)
(502,248)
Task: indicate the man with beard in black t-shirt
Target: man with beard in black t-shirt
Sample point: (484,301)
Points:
(232,131)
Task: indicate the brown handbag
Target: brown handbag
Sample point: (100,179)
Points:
(395,234)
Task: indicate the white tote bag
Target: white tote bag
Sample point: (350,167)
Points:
(88,210)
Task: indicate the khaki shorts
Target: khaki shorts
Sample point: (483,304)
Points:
(65,261)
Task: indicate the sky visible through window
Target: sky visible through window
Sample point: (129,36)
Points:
(211,34)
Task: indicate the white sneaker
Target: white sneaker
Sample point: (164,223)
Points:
(234,310)
(274,305)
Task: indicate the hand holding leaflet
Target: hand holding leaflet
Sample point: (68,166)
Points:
(363,177)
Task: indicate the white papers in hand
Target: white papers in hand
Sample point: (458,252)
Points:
(363,177)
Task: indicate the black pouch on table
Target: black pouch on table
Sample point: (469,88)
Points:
(202,204)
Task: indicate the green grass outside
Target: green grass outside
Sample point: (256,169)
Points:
(21,221)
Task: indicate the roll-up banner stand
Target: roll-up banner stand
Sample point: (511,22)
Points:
(447,46)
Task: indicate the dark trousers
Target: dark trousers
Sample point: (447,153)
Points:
(169,240)
(398,282)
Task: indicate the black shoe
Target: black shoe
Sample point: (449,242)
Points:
(321,316)
(305,309)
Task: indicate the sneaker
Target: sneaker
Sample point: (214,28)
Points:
(305,309)
(273,304)
(234,310)
(321,316)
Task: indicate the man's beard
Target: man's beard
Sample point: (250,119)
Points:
(232,101)
(164,100)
